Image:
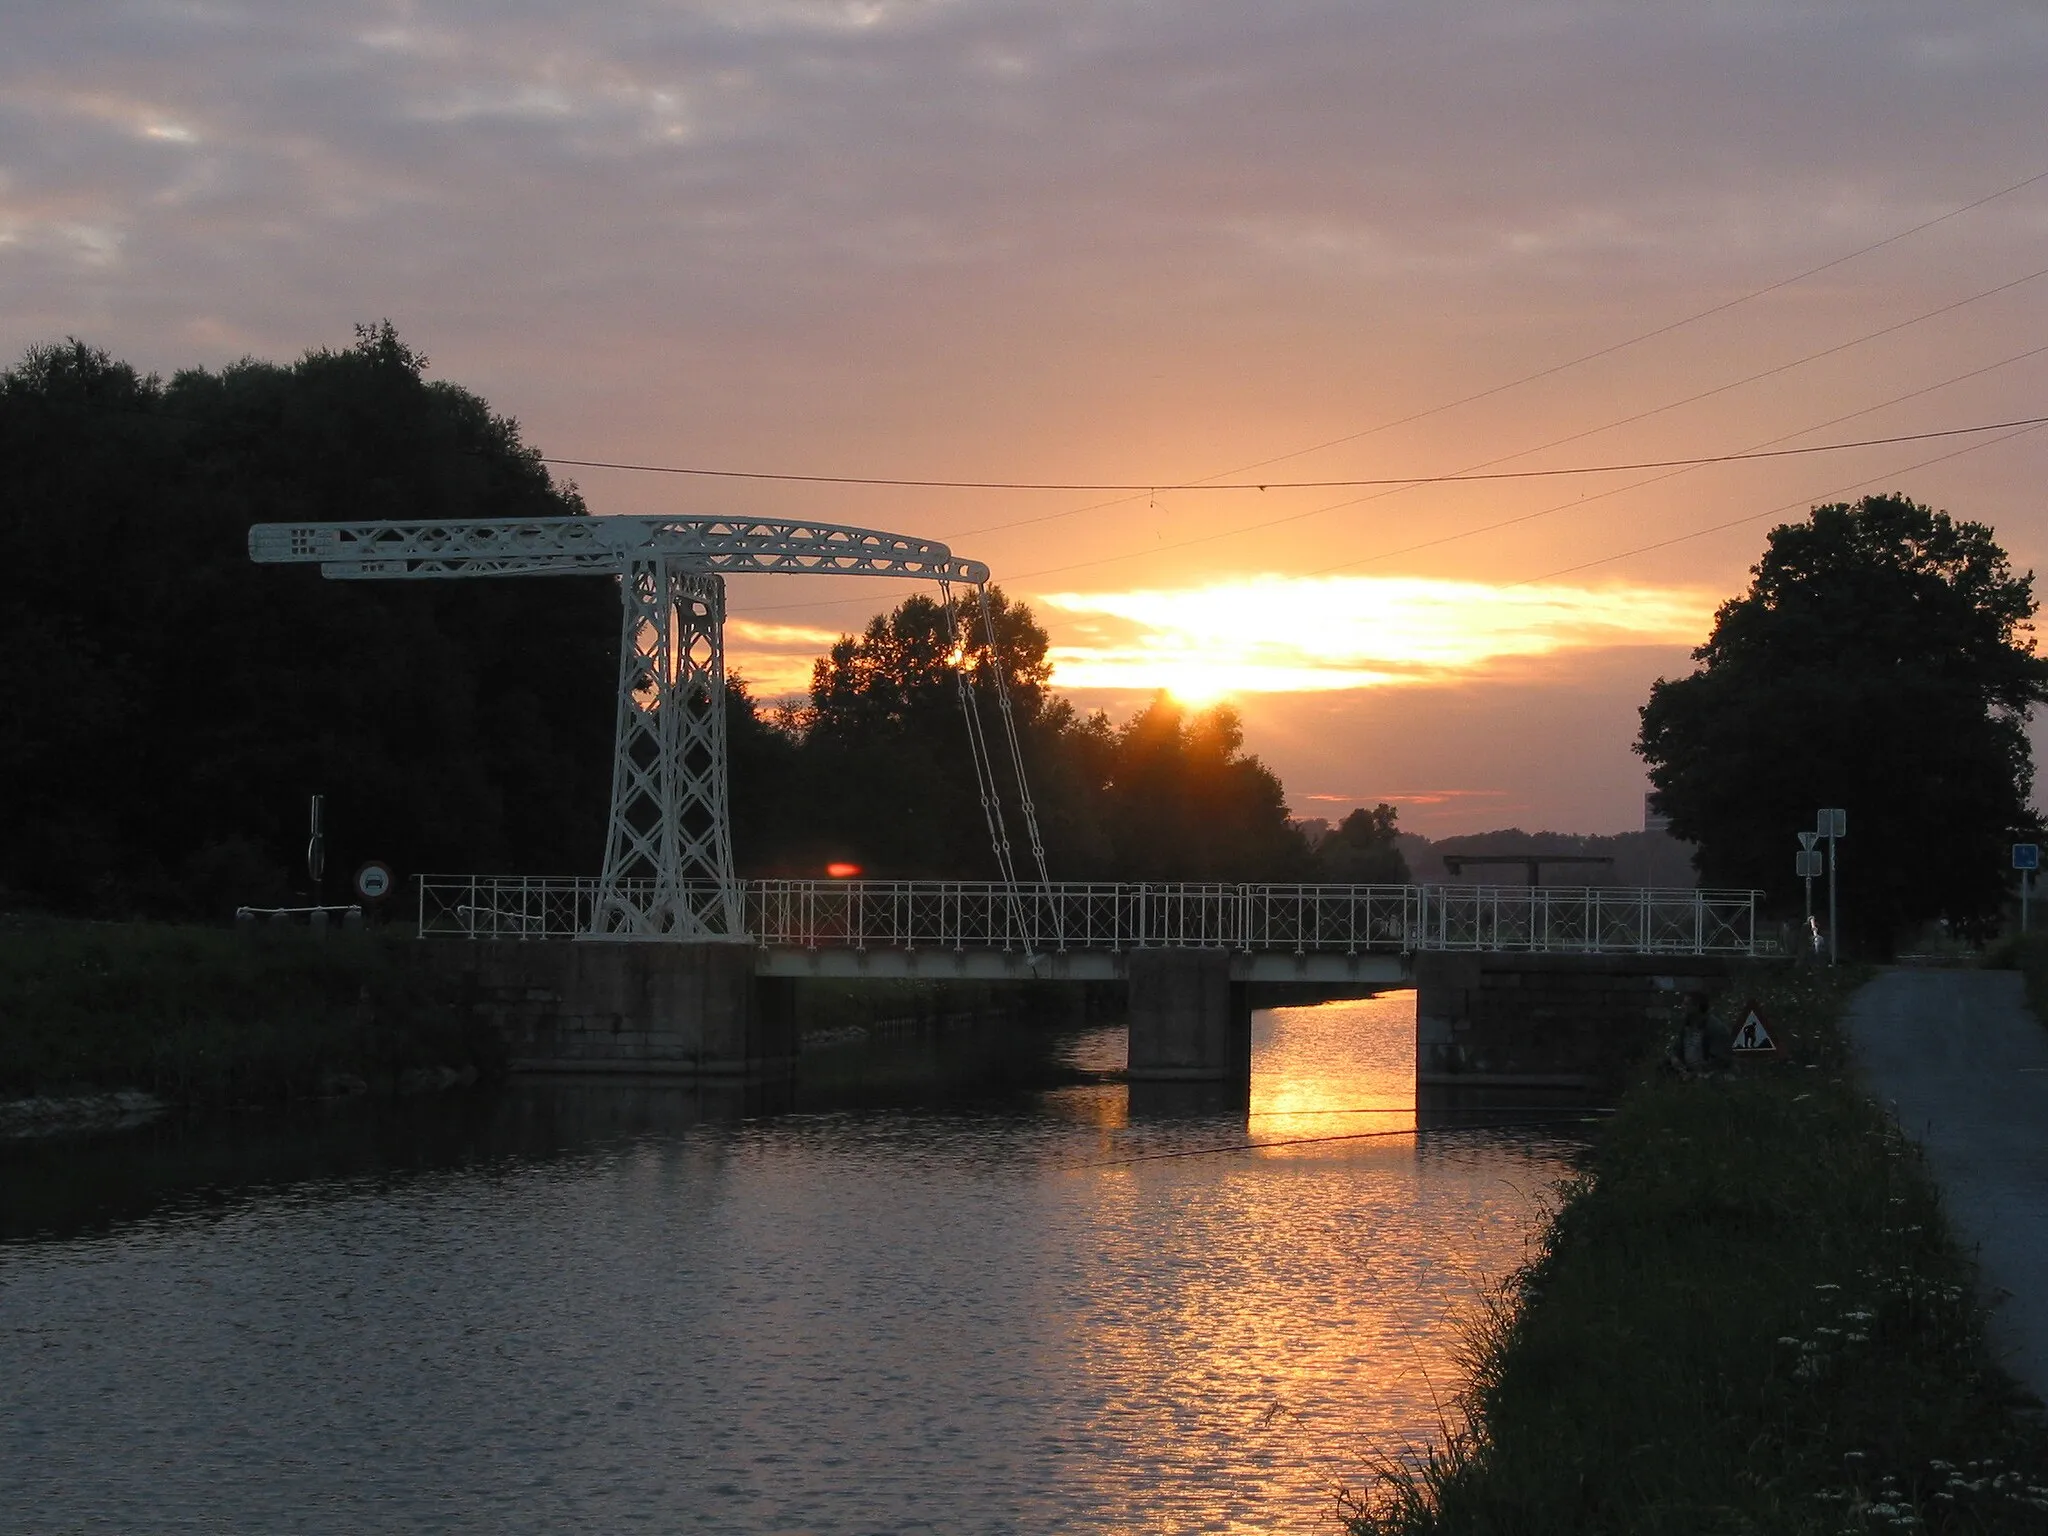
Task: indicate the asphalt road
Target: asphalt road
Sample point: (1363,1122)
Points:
(1964,1066)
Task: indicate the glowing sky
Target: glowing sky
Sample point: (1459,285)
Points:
(1075,240)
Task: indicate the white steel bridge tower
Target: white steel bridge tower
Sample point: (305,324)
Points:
(668,866)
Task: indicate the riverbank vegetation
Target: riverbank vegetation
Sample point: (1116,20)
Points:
(1746,1315)
(2026,953)
(210,1017)
(207,1017)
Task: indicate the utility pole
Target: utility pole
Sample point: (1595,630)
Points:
(1832,824)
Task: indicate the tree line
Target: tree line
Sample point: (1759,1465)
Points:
(167,707)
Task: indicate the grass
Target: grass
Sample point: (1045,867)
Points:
(1745,1315)
(210,1016)
(2028,954)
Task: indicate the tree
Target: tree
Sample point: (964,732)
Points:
(1363,850)
(887,782)
(1883,661)
(166,706)
(1184,803)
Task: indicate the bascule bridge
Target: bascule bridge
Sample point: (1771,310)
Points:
(667,960)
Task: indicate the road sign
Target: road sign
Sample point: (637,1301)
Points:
(1752,1035)
(1806,865)
(1808,839)
(1832,823)
(373,881)
(2026,855)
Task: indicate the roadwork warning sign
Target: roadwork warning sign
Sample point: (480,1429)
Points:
(1752,1035)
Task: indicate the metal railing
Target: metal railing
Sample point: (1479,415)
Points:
(1056,918)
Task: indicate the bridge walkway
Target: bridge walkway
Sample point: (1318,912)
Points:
(1324,934)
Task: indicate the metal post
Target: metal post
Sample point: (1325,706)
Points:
(2026,890)
(1834,929)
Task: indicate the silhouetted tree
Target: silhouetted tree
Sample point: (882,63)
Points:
(1881,661)
(889,781)
(166,706)
(1183,802)
(1363,849)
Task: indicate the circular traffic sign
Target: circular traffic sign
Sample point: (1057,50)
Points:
(373,881)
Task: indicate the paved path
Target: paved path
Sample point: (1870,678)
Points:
(1964,1066)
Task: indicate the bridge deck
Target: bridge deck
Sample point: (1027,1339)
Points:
(1083,931)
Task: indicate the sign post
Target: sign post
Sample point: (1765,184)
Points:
(1806,864)
(1831,824)
(2026,858)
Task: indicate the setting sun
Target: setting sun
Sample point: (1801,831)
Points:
(1291,635)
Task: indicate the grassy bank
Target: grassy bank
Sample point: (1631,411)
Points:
(1745,1316)
(209,1016)
(2027,954)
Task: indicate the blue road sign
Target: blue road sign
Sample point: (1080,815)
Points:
(2026,855)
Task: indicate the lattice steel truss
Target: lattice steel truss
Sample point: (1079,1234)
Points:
(668,870)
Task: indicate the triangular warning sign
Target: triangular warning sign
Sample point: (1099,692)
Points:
(1752,1035)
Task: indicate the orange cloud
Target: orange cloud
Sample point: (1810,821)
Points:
(1277,634)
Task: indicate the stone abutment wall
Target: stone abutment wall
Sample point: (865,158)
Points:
(597,1006)
(1550,1021)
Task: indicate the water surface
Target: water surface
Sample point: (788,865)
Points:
(575,1306)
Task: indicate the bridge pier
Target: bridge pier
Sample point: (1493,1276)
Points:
(1189,1021)
(591,1005)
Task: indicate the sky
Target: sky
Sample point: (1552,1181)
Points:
(1141,245)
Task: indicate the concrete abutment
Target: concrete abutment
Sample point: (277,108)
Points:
(1550,1021)
(596,1005)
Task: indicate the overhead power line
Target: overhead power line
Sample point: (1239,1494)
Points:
(1636,485)
(1756,517)
(1213,482)
(1453,478)
(1650,335)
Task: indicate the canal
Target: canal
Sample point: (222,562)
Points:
(948,1304)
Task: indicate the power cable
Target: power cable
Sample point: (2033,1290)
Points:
(1636,485)
(1777,511)
(1762,451)
(1662,330)
(1456,477)
(1295,517)
(1215,482)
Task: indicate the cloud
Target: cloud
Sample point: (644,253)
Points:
(1275,634)
(775,659)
